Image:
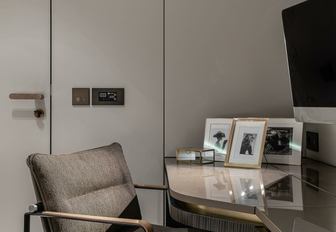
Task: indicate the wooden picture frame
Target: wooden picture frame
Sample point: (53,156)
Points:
(247,143)
(283,141)
(214,126)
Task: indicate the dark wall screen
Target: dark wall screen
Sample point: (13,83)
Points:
(310,32)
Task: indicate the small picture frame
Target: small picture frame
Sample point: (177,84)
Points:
(248,142)
(283,141)
(195,155)
(217,136)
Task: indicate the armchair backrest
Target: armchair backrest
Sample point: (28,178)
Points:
(93,182)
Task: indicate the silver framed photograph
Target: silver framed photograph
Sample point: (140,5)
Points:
(283,143)
(247,143)
(217,136)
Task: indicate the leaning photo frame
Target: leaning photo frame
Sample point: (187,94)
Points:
(247,143)
(283,141)
(217,136)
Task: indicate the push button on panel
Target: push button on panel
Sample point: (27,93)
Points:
(81,96)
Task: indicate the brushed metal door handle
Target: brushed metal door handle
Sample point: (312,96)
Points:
(38,113)
(26,96)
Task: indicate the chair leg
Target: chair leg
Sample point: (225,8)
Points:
(26,225)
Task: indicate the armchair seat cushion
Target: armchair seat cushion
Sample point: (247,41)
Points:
(157,228)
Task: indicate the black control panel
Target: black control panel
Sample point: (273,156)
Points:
(108,96)
(312,141)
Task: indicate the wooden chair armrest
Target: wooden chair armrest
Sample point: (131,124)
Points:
(152,187)
(146,226)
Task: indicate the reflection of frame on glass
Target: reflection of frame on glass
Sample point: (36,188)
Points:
(285,193)
(217,136)
(283,141)
(247,186)
(248,141)
(218,185)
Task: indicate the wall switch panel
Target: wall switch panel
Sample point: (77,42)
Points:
(80,96)
(108,96)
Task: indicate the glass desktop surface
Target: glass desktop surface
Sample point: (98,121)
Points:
(230,188)
(278,194)
(292,205)
(316,173)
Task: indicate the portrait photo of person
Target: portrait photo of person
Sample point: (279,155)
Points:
(248,143)
(217,136)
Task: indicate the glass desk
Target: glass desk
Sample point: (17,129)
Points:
(315,173)
(278,196)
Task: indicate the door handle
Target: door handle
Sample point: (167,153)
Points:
(26,96)
(38,113)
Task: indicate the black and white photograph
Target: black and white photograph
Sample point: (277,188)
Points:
(217,136)
(248,143)
(283,141)
(278,141)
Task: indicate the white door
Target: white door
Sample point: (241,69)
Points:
(24,68)
(108,44)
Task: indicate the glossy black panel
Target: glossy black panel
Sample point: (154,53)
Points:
(310,32)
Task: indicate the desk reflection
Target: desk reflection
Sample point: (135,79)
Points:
(285,193)
(247,187)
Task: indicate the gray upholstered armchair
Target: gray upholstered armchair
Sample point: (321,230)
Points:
(88,191)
